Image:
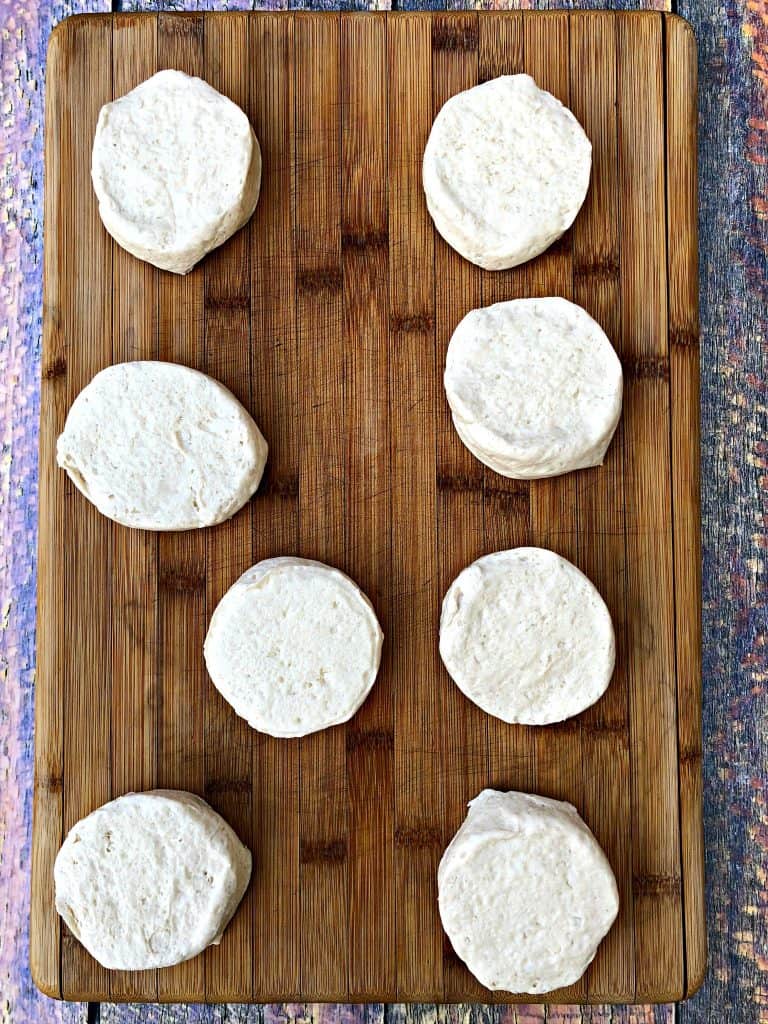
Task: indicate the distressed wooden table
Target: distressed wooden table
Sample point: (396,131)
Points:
(733,71)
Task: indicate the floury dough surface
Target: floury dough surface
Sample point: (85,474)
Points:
(150,879)
(526,636)
(294,646)
(159,446)
(176,168)
(506,169)
(534,386)
(526,894)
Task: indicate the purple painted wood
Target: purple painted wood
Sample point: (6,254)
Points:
(24,29)
(733,41)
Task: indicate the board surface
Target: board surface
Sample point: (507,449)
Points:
(329,316)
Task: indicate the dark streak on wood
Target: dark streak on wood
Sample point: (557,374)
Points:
(418,838)
(55,368)
(453,36)
(603,269)
(280,486)
(322,279)
(612,729)
(234,303)
(365,241)
(656,885)
(370,739)
(512,501)
(333,852)
(418,324)
(684,338)
(50,783)
(181,581)
(691,756)
(215,787)
(646,368)
(459,483)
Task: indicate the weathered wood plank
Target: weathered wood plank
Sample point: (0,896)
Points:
(24,35)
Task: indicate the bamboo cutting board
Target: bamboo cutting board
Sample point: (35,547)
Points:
(329,316)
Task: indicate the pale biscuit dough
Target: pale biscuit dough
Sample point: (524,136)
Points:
(150,879)
(176,168)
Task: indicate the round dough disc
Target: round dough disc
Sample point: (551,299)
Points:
(176,168)
(160,446)
(506,170)
(150,879)
(535,387)
(294,646)
(527,637)
(526,894)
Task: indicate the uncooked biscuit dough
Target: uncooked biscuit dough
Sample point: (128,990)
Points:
(526,636)
(159,446)
(506,170)
(176,168)
(526,894)
(150,879)
(294,646)
(534,386)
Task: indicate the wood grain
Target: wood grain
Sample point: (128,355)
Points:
(323,831)
(682,259)
(413,395)
(275,529)
(648,509)
(133,732)
(368,537)
(228,347)
(181,585)
(506,503)
(459,481)
(553,502)
(86,307)
(600,491)
(329,317)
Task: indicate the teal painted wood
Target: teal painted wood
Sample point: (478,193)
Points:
(733,42)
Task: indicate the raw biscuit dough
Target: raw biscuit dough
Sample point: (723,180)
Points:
(534,387)
(294,646)
(526,636)
(526,894)
(159,446)
(506,169)
(176,168)
(150,879)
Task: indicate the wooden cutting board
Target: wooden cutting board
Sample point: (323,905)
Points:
(329,317)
